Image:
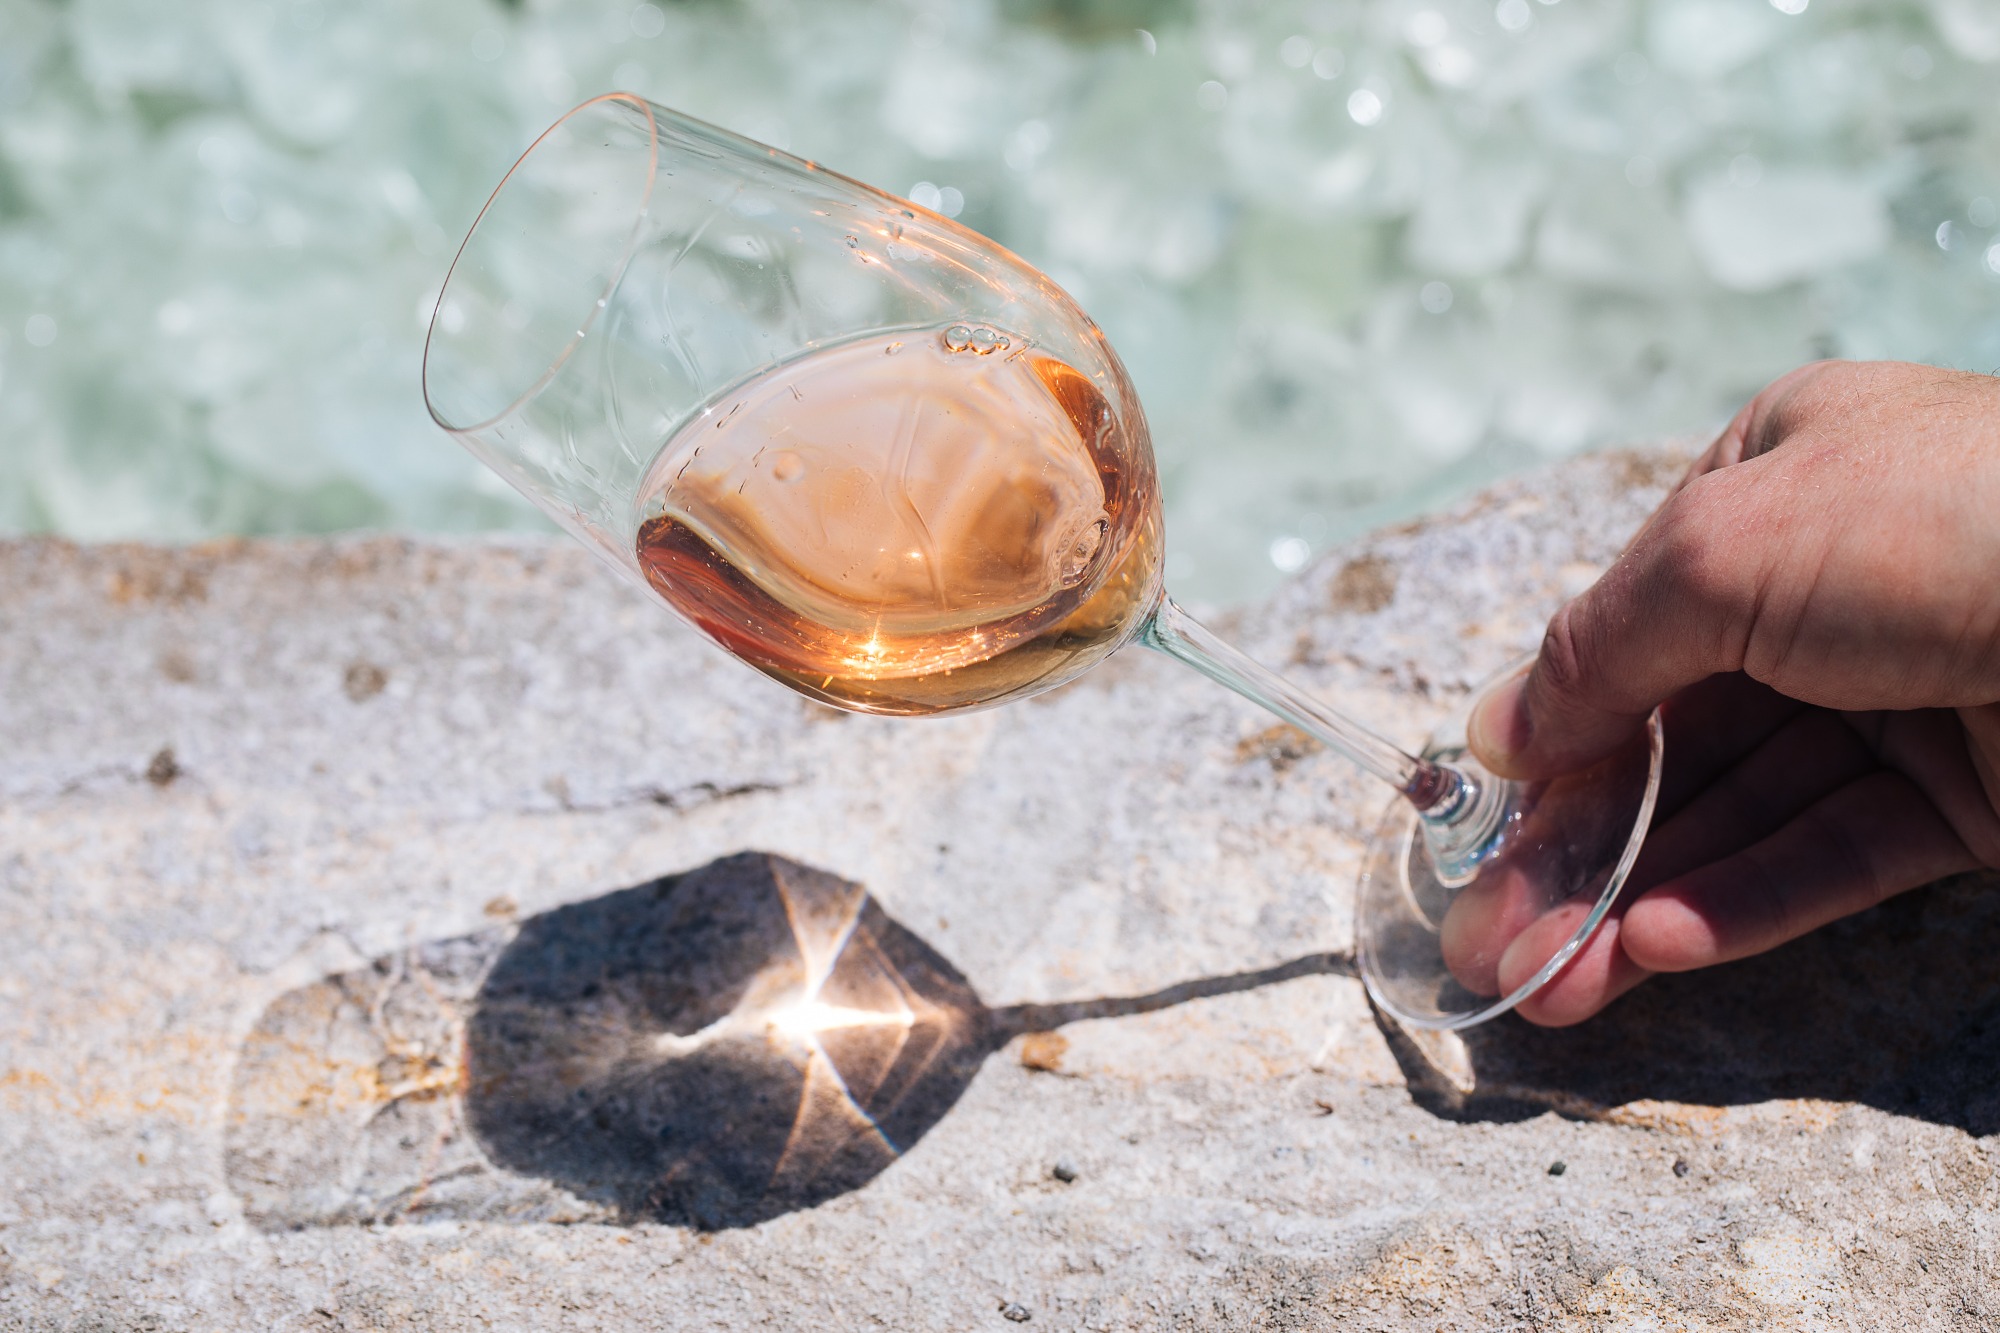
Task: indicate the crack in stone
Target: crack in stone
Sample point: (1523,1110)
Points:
(678,799)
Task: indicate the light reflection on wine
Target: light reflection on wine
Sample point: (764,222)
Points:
(909,533)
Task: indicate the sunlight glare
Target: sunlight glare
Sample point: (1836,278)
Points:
(804,1017)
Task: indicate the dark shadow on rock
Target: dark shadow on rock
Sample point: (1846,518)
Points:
(655,1050)
(712,1050)
(1896,1008)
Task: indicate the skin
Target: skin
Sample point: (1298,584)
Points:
(1816,610)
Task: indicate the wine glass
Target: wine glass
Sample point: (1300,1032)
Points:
(883,460)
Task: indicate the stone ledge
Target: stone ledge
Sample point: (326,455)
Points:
(247,779)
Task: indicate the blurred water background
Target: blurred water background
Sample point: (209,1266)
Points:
(1360,255)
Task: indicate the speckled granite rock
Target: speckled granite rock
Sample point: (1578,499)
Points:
(377,914)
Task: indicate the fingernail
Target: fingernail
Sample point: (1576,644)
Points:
(1498,727)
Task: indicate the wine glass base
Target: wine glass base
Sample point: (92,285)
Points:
(1449,946)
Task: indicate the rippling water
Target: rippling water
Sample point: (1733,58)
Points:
(1359,256)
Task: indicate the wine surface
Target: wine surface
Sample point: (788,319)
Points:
(909,522)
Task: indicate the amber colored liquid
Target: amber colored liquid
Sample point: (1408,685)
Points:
(909,523)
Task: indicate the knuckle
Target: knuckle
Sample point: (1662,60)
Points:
(1767,914)
(1702,558)
(1562,663)
(1790,402)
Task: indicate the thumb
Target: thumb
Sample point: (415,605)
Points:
(1676,608)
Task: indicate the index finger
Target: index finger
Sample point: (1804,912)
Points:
(1676,608)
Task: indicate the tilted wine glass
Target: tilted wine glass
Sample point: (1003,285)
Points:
(883,460)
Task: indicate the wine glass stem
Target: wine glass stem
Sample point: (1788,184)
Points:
(1437,790)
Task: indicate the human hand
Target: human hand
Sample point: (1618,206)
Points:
(1816,611)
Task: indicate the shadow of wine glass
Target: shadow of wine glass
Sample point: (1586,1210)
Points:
(1897,1008)
(712,1049)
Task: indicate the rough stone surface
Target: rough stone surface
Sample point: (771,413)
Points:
(376,912)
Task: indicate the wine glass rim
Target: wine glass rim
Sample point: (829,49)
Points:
(598,305)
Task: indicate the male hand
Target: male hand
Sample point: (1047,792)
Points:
(1816,609)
